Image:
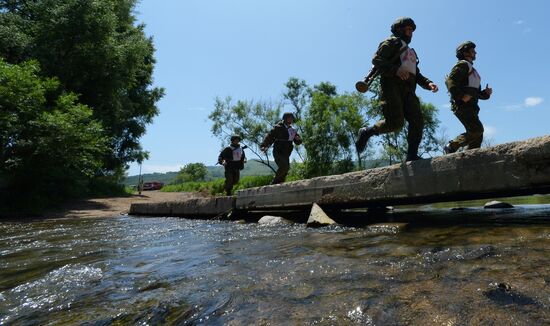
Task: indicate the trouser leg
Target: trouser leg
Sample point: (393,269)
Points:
(283,165)
(413,115)
(232,177)
(392,109)
(473,137)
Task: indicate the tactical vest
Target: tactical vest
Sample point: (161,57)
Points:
(474,80)
(409,59)
(237,153)
(291,133)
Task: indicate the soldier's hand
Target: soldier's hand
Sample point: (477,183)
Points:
(466,98)
(263,149)
(433,87)
(488,90)
(402,73)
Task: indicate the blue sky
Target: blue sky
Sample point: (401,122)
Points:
(247,49)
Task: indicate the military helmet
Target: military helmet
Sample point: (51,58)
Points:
(234,137)
(400,23)
(288,114)
(463,47)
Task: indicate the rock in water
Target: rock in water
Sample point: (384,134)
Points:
(318,217)
(498,204)
(272,220)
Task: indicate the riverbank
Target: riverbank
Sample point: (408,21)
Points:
(116,206)
(108,207)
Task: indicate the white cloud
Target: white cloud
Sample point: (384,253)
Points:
(533,101)
(152,168)
(527,103)
(519,22)
(490,131)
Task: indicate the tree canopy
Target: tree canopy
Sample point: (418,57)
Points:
(76,92)
(192,172)
(50,144)
(95,50)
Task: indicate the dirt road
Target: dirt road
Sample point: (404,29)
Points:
(116,206)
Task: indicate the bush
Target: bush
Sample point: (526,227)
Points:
(216,187)
(50,145)
(106,186)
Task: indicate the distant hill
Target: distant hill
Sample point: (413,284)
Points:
(214,172)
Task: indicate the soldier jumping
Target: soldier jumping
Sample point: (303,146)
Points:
(464,86)
(397,64)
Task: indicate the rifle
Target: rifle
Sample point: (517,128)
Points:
(362,86)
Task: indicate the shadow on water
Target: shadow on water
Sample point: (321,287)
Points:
(465,217)
(434,266)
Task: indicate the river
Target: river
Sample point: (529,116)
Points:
(448,267)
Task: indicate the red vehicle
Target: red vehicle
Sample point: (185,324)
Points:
(152,185)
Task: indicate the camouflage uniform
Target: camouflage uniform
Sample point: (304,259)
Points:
(465,80)
(398,98)
(234,157)
(282,137)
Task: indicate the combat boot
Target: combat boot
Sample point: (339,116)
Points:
(363,138)
(448,149)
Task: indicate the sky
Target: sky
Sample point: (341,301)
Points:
(248,49)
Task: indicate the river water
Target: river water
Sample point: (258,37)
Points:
(446,268)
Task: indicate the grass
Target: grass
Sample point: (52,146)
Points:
(216,187)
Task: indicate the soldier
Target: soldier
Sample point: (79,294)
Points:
(282,136)
(399,75)
(232,158)
(464,86)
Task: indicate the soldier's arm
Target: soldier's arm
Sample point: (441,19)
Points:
(297,139)
(482,94)
(384,57)
(269,139)
(457,75)
(422,81)
(223,155)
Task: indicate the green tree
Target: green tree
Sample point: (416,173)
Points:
(298,94)
(251,120)
(328,122)
(192,172)
(330,126)
(95,49)
(50,145)
(394,145)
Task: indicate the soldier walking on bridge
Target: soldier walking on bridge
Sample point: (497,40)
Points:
(282,136)
(232,158)
(464,86)
(399,75)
